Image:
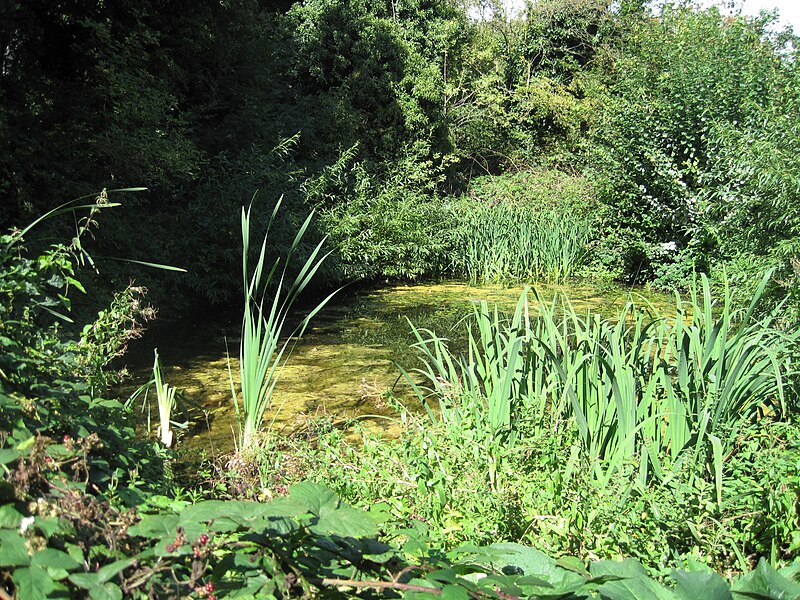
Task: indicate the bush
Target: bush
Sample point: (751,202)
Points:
(687,80)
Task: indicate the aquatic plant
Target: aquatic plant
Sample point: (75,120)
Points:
(165,396)
(479,392)
(668,393)
(270,292)
(507,242)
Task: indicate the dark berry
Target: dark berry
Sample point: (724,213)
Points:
(209,587)
(203,539)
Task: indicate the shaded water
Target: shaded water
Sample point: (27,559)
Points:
(346,360)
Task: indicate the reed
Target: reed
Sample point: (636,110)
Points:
(165,397)
(270,292)
(665,393)
(506,242)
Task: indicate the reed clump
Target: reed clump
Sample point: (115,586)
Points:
(507,242)
(669,394)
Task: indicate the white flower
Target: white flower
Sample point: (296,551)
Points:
(669,246)
(26,522)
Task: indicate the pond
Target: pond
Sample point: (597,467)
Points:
(348,358)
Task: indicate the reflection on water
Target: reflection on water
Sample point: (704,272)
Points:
(345,360)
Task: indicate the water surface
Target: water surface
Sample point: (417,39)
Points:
(345,362)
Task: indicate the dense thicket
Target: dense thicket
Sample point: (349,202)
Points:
(377,111)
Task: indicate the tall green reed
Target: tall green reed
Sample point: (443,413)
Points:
(659,392)
(507,242)
(270,292)
(477,392)
(165,397)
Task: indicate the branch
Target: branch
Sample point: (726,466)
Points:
(383,585)
(403,587)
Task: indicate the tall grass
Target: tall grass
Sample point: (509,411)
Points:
(666,393)
(270,292)
(478,392)
(508,242)
(165,396)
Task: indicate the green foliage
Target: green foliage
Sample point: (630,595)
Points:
(562,38)
(515,94)
(107,337)
(632,436)
(664,391)
(531,226)
(263,347)
(81,514)
(684,78)
(308,542)
(387,226)
(504,243)
(748,207)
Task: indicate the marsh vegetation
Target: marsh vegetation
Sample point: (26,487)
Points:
(520,319)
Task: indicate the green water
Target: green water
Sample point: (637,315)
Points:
(345,362)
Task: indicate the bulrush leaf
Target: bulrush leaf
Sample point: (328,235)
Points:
(265,345)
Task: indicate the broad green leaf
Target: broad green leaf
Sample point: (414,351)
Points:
(345,521)
(226,514)
(50,558)
(155,526)
(443,576)
(454,592)
(528,561)
(50,526)
(765,583)
(570,563)
(376,551)
(107,572)
(8,455)
(107,591)
(26,443)
(13,552)
(700,586)
(617,569)
(636,588)
(33,583)
(314,496)
(10,517)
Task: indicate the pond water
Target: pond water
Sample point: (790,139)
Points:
(347,359)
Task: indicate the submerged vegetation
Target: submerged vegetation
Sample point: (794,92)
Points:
(552,452)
